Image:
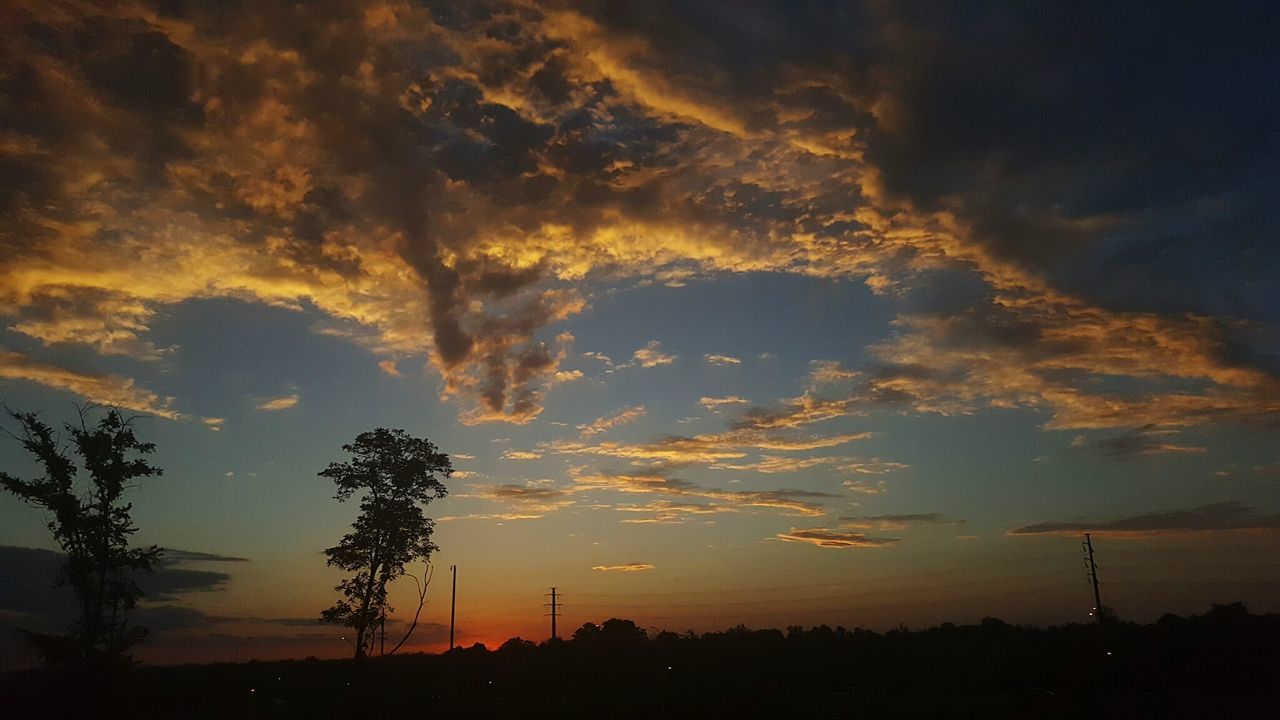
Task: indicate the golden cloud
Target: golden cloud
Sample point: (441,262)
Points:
(828,538)
(625,567)
(109,390)
(651,355)
(715,402)
(622,417)
(418,183)
(280,403)
(657,482)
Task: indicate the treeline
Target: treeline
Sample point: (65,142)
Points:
(1223,663)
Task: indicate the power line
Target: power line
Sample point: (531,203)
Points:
(453,604)
(817,598)
(1003,593)
(1091,569)
(955,569)
(555,606)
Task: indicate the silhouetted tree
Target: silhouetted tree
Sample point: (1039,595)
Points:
(395,475)
(92,524)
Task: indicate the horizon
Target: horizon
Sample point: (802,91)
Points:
(785,314)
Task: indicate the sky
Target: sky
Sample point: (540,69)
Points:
(754,313)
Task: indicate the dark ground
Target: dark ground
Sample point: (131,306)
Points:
(1223,664)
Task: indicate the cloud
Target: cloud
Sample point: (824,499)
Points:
(651,355)
(283,402)
(782,464)
(529,501)
(704,448)
(389,367)
(722,360)
(896,523)
(492,171)
(670,512)
(565,376)
(716,402)
(771,464)
(1041,356)
(625,567)
(172,556)
(1143,443)
(621,417)
(521,455)
(866,487)
(33,580)
(109,390)
(828,538)
(874,466)
(656,481)
(828,372)
(798,412)
(1216,517)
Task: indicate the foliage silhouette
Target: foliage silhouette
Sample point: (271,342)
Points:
(1218,664)
(395,475)
(92,524)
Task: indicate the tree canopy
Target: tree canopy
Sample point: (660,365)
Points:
(395,475)
(92,524)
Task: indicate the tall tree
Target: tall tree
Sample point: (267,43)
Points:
(92,524)
(395,475)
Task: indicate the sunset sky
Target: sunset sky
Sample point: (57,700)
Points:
(765,313)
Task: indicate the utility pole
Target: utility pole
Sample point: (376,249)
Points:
(453,604)
(554,607)
(1092,569)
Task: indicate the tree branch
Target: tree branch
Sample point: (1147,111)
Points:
(427,572)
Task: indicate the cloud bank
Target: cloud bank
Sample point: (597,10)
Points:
(444,184)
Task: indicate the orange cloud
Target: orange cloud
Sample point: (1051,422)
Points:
(529,501)
(260,184)
(715,402)
(110,390)
(280,403)
(622,417)
(827,538)
(651,355)
(656,482)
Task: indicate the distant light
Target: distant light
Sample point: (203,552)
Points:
(252,690)
(1108,652)
(668,667)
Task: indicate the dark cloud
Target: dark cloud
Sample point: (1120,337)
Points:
(1147,443)
(1206,518)
(34,597)
(1115,132)
(181,556)
(33,580)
